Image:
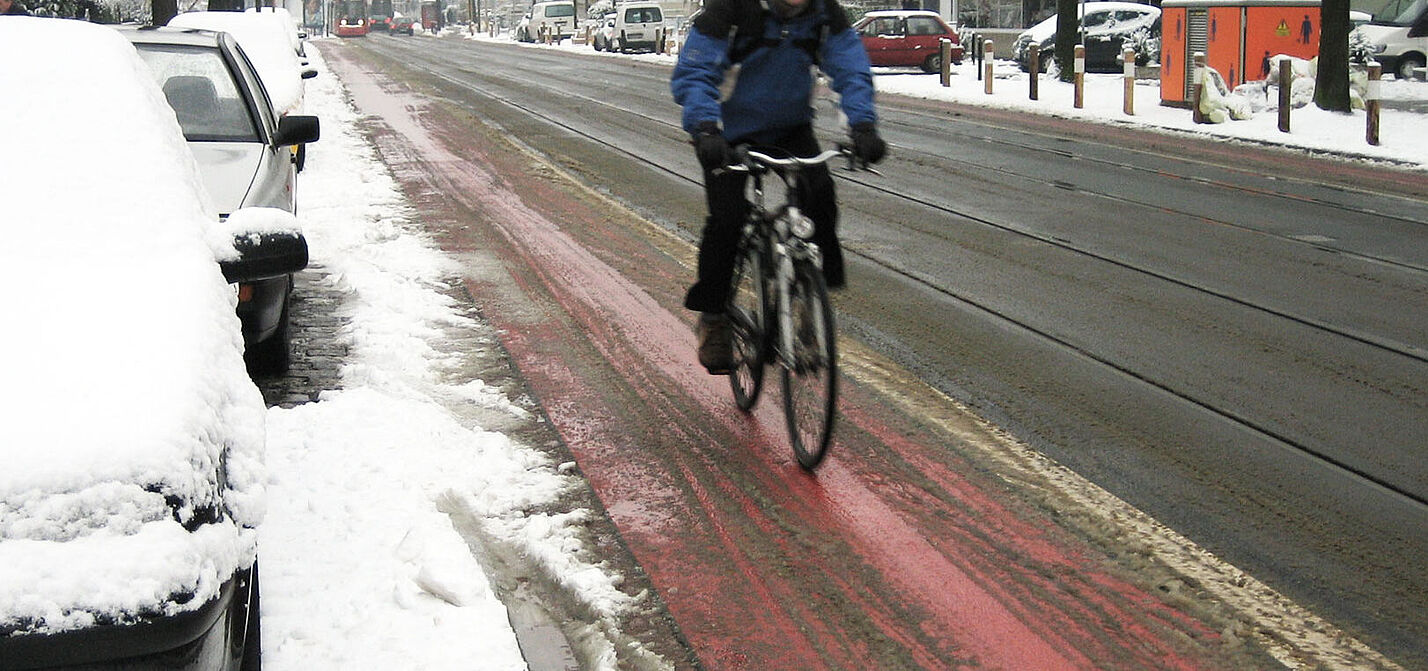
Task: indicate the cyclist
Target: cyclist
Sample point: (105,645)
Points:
(775,43)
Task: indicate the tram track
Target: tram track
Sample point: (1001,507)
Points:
(1287,442)
(634,114)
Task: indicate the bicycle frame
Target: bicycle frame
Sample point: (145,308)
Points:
(785,234)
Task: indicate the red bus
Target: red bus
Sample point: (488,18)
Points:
(350,18)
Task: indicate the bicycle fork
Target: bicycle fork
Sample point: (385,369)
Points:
(785,278)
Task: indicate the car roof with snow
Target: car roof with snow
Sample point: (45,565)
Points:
(1047,27)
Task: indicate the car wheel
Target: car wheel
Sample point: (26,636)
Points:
(1404,72)
(933,63)
(253,639)
(271,355)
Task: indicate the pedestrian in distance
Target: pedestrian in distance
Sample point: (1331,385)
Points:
(12,8)
(775,44)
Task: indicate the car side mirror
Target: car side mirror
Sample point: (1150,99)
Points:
(265,255)
(309,73)
(297,129)
(269,244)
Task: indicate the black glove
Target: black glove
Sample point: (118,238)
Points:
(867,146)
(711,147)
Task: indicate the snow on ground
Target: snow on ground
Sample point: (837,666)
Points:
(361,566)
(1402,134)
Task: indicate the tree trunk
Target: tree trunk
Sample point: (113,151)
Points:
(1331,84)
(164,10)
(1068,35)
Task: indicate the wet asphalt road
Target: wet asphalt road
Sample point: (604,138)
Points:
(1227,348)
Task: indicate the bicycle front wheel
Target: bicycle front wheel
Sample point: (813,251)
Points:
(810,377)
(748,320)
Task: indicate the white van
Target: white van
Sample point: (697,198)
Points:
(638,25)
(1398,32)
(556,18)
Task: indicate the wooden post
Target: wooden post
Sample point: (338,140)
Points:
(1286,90)
(1033,56)
(1128,57)
(944,47)
(1371,98)
(988,55)
(1197,90)
(1080,76)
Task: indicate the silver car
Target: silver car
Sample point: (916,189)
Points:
(244,154)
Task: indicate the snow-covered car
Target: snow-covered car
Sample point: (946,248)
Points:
(895,38)
(133,479)
(1108,26)
(604,30)
(244,154)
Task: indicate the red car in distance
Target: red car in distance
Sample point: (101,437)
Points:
(907,38)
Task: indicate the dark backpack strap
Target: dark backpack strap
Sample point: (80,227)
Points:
(748,34)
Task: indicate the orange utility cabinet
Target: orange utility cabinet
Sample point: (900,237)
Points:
(1236,36)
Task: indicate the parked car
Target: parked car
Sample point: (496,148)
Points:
(243,151)
(1108,27)
(554,17)
(404,24)
(263,35)
(133,478)
(639,25)
(604,30)
(907,38)
(1397,33)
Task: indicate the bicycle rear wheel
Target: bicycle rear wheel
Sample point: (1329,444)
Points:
(748,320)
(810,386)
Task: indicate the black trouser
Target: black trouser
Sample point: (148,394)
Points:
(728,210)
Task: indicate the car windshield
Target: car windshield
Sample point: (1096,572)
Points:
(201,90)
(646,15)
(1390,12)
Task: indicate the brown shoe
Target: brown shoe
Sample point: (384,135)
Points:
(716,351)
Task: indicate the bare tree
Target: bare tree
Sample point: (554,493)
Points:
(1068,35)
(1331,83)
(164,10)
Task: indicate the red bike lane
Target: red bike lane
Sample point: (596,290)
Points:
(899,552)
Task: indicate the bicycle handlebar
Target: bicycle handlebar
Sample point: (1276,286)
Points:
(748,159)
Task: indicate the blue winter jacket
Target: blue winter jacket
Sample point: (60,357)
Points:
(774,88)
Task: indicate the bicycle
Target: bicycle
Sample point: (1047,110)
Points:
(778,306)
